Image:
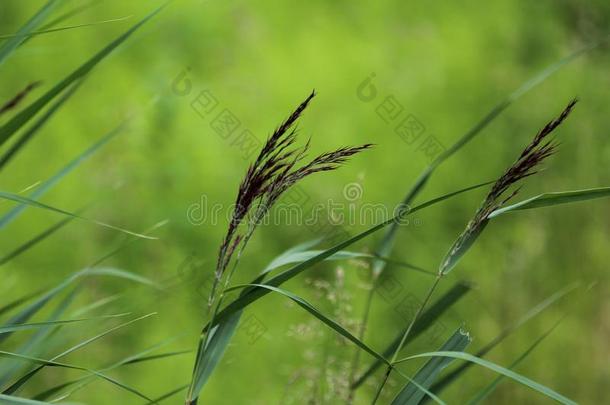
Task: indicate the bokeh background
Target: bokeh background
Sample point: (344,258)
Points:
(446,64)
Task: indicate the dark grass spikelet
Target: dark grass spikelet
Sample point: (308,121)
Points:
(532,156)
(18,98)
(276,168)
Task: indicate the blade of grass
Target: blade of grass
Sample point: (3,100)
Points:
(427,319)
(411,394)
(22,380)
(24,200)
(385,247)
(485,392)
(256,293)
(35,240)
(506,332)
(37,342)
(19,120)
(312,310)
(39,361)
(17,302)
(556,198)
(11,400)
(298,257)
(229,316)
(64,171)
(168,394)
(37,325)
(85,380)
(69,27)
(8,47)
(498,369)
(33,130)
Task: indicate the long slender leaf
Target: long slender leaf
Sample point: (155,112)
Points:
(556,198)
(329,322)
(35,240)
(229,316)
(33,130)
(485,392)
(412,394)
(506,332)
(85,380)
(256,293)
(9,46)
(19,383)
(19,120)
(498,369)
(39,361)
(57,177)
(32,346)
(37,325)
(24,200)
(11,400)
(69,27)
(426,320)
(298,257)
(386,245)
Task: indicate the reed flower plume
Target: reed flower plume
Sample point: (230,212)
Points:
(526,165)
(278,166)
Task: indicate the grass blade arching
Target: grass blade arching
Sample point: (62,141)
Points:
(427,319)
(485,392)
(411,394)
(498,369)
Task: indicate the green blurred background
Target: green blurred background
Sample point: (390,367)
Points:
(446,64)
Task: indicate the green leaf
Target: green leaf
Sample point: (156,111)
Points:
(69,27)
(491,387)
(412,394)
(56,178)
(9,46)
(37,325)
(506,332)
(229,316)
(257,292)
(466,239)
(35,240)
(17,302)
(168,394)
(498,369)
(302,256)
(10,400)
(556,198)
(33,130)
(459,248)
(19,120)
(22,380)
(39,361)
(426,320)
(85,380)
(34,344)
(386,245)
(24,200)
(312,310)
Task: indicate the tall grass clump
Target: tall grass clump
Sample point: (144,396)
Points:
(50,312)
